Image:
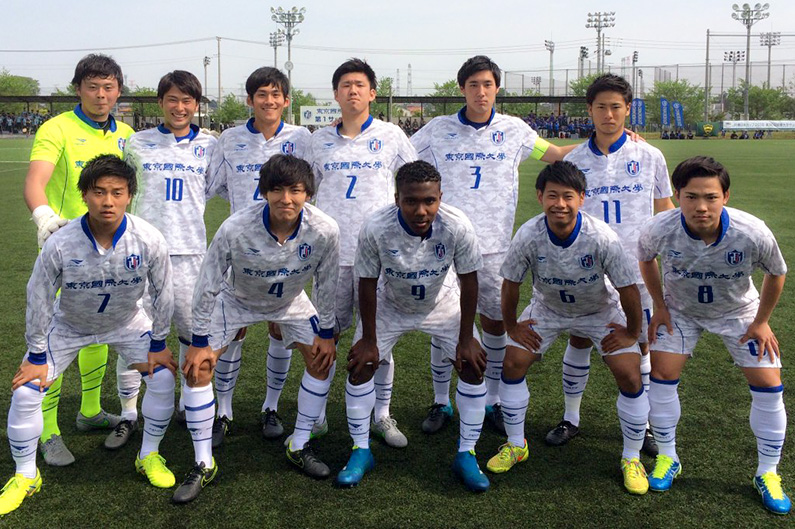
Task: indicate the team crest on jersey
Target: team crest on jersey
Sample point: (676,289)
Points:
(586,261)
(122,143)
(375,145)
(132,262)
(440,251)
(288,147)
(497,137)
(304,251)
(633,168)
(199,152)
(734,257)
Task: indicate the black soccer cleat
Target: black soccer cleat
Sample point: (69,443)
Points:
(562,434)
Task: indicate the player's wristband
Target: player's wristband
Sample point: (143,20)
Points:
(326,333)
(155,346)
(200,340)
(37,359)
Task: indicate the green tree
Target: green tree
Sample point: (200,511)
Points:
(384,89)
(301,99)
(579,87)
(518,109)
(230,110)
(446,89)
(763,103)
(691,97)
(150,110)
(58,108)
(15,85)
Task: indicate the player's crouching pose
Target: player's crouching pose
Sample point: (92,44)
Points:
(411,246)
(708,254)
(102,263)
(254,271)
(570,255)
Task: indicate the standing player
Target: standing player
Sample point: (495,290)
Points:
(102,262)
(354,165)
(409,247)
(172,161)
(61,148)
(570,256)
(235,170)
(255,270)
(627,183)
(478,152)
(708,254)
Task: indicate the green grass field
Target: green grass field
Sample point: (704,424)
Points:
(575,486)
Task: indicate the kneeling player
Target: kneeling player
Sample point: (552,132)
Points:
(708,254)
(570,255)
(254,271)
(411,246)
(102,262)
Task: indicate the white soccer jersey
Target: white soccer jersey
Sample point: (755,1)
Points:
(711,282)
(480,169)
(245,259)
(240,154)
(100,288)
(356,176)
(414,268)
(622,185)
(569,275)
(173,185)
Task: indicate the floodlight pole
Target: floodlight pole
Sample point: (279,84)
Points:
(748,16)
(769,39)
(206,105)
(289,19)
(598,21)
(550,46)
(276,39)
(219,70)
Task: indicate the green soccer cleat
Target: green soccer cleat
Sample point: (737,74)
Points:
(635,480)
(508,456)
(153,466)
(16,490)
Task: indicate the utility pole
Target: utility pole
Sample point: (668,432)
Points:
(219,70)
(206,105)
(599,21)
(748,16)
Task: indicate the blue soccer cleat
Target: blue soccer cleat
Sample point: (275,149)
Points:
(360,463)
(774,498)
(665,470)
(465,466)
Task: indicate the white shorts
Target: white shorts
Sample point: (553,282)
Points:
(688,330)
(347,299)
(490,286)
(131,342)
(298,321)
(646,305)
(185,270)
(549,325)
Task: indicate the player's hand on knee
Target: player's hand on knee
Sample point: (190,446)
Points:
(363,359)
(765,339)
(28,372)
(469,352)
(162,358)
(661,317)
(324,352)
(47,222)
(524,335)
(619,338)
(198,359)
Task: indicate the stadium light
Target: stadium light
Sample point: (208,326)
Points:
(769,39)
(748,16)
(582,57)
(206,105)
(276,39)
(599,21)
(734,57)
(634,66)
(289,19)
(550,46)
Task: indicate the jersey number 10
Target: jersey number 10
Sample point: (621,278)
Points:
(174,188)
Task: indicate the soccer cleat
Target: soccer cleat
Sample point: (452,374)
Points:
(222,426)
(101,421)
(318,430)
(561,434)
(664,472)
(635,480)
(154,468)
(308,462)
(465,466)
(387,430)
(360,462)
(121,434)
(198,478)
(649,444)
(55,452)
(271,424)
(179,417)
(438,414)
(774,498)
(507,457)
(494,417)
(16,490)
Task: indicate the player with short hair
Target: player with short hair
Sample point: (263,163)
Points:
(171,161)
(709,252)
(61,148)
(627,184)
(254,271)
(404,254)
(240,154)
(102,263)
(570,256)
(354,164)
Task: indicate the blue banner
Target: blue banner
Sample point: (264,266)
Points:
(638,112)
(665,113)
(679,118)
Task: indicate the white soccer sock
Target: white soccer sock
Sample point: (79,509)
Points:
(25,424)
(645,373)
(226,372)
(128,383)
(441,373)
(470,399)
(278,367)
(157,408)
(359,403)
(384,377)
(769,424)
(664,413)
(514,396)
(576,368)
(183,350)
(199,414)
(633,414)
(331,372)
(494,345)
(311,396)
